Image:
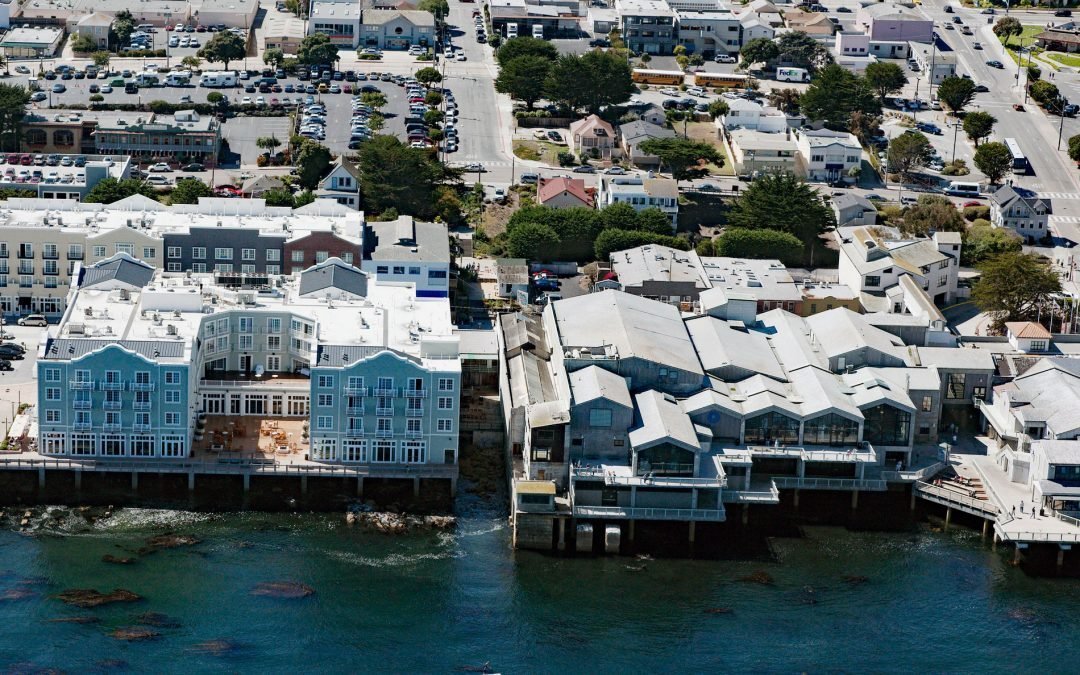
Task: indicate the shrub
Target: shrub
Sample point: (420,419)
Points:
(567,159)
(980,222)
(972,213)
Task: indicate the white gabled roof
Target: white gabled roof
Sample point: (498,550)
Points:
(593,382)
(662,420)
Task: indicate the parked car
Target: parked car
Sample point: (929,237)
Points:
(6,365)
(160,167)
(585,168)
(194,166)
(725,58)
(1063,12)
(994,63)
(31,320)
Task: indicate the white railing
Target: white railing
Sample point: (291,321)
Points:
(830,483)
(1045,537)
(913,474)
(948,497)
(300,383)
(664,481)
(863,453)
(1075,522)
(645,513)
(237,465)
(771,495)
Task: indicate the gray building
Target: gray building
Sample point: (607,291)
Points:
(226,252)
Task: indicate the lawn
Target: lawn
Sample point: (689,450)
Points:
(1064,59)
(1027,37)
(545,152)
(706,132)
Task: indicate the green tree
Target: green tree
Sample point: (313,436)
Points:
(803,51)
(932,213)
(909,152)
(834,94)
(223,48)
(312,163)
(278,197)
(654,220)
(978,125)
(523,77)
(619,216)
(188,191)
(123,26)
(111,190)
(780,201)
(956,92)
(610,241)
(268,143)
(192,63)
(215,97)
(440,9)
(433,118)
(592,81)
(101,59)
(1044,92)
(1014,286)
(532,241)
(864,126)
(526,46)
(785,99)
(758,50)
(303,198)
(718,108)
(316,49)
(575,229)
(393,175)
(1074,148)
(1006,27)
(681,156)
(83,43)
(982,242)
(428,76)
(885,78)
(375,99)
(740,242)
(274,57)
(13,102)
(994,161)
(433,98)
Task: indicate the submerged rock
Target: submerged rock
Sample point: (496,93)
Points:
(74,619)
(216,647)
(283,589)
(13,594)
(89,597)
(759,577)
(109,558)
(855,579)
(157,619)
(164,541)
(112,664)
(718,610)
(392,522)
(135,633)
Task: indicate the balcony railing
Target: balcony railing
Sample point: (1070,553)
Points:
(355,410)
(641,513)
(414,412)
(829,483)
(414,434)
(141,405)
(355,391)
(111,386)
(380,391)
(79,385)
(141,428)
(112,405)
(384,412)
(81,405)
(354,433)
(384,433)
(112,427)
(82,426)
(416,393)
(142,386)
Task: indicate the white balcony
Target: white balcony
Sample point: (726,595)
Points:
(82,405)
(383,433)
(416,393)
(384,412)
(112,405)
(354,432)
(384,391)
(80,385)
(141,405)
(111,386)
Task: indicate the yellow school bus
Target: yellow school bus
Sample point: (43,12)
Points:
(726,80)
(671,77)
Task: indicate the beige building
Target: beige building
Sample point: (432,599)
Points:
(592,135)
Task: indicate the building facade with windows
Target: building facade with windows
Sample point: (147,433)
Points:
(409,251)
(142,357)
(647,26)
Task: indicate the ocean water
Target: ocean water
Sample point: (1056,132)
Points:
(446,601)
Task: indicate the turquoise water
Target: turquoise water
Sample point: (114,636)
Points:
(444,601)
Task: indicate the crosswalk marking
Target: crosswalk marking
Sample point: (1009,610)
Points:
(1060,195)
(1072,220)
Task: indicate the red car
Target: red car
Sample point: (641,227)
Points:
(967,204)
(168,27)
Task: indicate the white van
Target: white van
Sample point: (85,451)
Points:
(963,189)
(178,80)
(223,78)
(538,31)
(511,31)
(147,79)
(792,75)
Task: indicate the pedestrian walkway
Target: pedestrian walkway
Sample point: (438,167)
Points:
(1069,196)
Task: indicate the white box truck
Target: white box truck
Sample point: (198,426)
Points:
(511,31)
(538,31)
(223,78)
(792,75)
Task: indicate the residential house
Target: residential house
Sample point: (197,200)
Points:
(872,260)
(765,12)
(593,137)
(814,24)
(752,151)
(408,251)
(1028,337)
(825,155)
(512,279)
(647,26)
(852,209)
(711,32)
(397,29)
(1064,37)
(893,22)
(564,193)
(633,134)
(1021,211)
(96,27)
(641,193)
(941,64)
(341,185)
(747,114)
(754,28)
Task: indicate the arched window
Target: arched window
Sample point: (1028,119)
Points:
(63,137)
(35,137)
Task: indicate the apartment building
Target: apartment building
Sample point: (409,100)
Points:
(709,32)
(641,193)
(825,155)
(44,240)
(408,251)
(647,26)
(873,259)
(1021,211)
(143,360)
(182,137)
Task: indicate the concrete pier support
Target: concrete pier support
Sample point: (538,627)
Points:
(1016,555)
(562,534)
(693,531)
(134,481)
(1060,559)
(191,482)
(854,500)
(303,485)
(948,517)
(745,514)
(247,483)
(416,486)
(795,499)
(78,479)
(360,487)
(993,542)
(630,530)
(985,528)
(41,477)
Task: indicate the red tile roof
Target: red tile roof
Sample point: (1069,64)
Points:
(550,188)
(1027,329)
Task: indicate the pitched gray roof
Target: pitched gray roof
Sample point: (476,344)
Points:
(121,267)
(1006,194)
(64,348)
(640,130)
(333,273)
